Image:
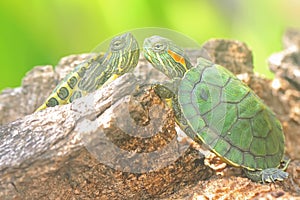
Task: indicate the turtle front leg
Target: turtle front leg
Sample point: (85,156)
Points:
(163,91)
(266,175)
(168,92)
(167,89)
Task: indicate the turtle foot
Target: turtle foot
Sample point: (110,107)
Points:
(267,175)
(273,174)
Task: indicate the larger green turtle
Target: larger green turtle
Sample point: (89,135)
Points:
(121,57)
(212,105)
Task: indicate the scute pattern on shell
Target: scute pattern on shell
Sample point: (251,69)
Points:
(230,118)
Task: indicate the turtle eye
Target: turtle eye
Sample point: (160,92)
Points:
(117,44)
(158,47)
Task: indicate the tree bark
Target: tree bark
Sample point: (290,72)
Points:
(55,152)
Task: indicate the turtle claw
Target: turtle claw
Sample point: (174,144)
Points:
(272,175)
(267,175)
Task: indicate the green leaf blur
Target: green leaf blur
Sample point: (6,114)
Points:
(40,32)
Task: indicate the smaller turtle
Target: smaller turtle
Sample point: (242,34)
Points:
(214,107)
(121,57)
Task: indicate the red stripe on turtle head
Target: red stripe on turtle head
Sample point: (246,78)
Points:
(178,58)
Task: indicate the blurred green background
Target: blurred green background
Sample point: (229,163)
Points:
(37,32)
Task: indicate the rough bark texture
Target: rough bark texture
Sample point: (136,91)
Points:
(51,154)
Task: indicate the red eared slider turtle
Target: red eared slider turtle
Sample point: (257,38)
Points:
(212,105)
(121,57)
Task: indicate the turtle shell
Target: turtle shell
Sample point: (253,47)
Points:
(230,118)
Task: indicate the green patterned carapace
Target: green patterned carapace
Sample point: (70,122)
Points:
(121,57)
(212,105)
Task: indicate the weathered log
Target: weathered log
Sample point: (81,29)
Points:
(50,153)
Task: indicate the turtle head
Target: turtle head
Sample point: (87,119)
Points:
(123,53)
(166,56)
